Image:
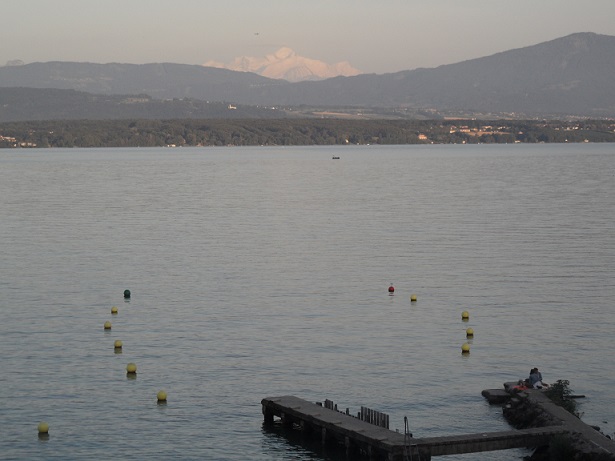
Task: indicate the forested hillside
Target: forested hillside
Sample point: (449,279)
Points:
(23,104)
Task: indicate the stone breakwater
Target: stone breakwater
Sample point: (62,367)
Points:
(531,408)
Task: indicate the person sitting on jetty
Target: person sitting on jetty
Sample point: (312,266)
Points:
(536,379)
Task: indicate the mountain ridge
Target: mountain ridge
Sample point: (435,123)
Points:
(569,76)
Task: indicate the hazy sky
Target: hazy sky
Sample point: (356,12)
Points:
(373,35)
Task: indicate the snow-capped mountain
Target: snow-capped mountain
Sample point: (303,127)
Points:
(288,65)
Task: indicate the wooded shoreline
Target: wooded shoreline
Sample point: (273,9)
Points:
(296,132)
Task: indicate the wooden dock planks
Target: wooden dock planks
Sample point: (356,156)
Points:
(382,443)
(331,424)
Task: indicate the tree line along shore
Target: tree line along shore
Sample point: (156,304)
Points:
(296,132)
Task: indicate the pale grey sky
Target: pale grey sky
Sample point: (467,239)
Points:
(373,35)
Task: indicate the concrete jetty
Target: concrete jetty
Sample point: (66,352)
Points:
(380,443)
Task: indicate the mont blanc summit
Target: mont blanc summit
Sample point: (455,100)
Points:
(288,65)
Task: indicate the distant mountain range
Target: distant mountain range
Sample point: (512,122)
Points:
(569,76)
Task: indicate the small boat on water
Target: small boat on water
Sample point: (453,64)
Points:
(336,157)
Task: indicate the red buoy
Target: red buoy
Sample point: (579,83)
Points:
(391,289)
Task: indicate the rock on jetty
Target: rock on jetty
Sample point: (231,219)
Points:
(530,408)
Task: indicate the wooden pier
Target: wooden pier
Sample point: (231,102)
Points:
(379,442)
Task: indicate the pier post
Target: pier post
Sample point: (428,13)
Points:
(268,415)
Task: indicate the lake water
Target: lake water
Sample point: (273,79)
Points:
(258,272)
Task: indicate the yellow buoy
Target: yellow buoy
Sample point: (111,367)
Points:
(114,310)
(118,344)
(465,315)
(413,298)
(131,368)
(162,396)
(470,332)
(465,348)
(107,325)
(43,427)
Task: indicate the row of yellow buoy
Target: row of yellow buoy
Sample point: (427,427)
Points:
(131,367)
(465,347)
(465,316)
(131,370)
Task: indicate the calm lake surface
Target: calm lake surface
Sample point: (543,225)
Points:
(258,272)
